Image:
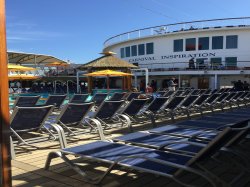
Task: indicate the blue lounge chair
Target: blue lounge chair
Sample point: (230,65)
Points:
(117,96)
(143,159)
(72,117)
(25,120)
(56,100)
(79,98)
(107,115)
(98,98)
(24,101)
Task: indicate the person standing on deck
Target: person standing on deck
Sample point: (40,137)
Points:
(171,84)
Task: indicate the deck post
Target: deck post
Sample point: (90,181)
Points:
(5,162)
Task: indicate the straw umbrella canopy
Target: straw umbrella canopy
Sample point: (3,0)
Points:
(108,61)
(108,73)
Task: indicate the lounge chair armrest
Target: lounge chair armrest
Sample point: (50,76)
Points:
(60,133)
(98,125)
(127,119)
(181,142)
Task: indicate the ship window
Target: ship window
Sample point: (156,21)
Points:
(216,63)
(178,45)
(232,42)
(203,43)
(150,48)
(231,62)
(217,42)
(122,50)
(127,50)
(190,44)
(200,63)
(134,50)
(141,49)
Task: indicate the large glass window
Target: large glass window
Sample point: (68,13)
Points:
(122,51)
(134,50)
(190,44)
(150,48)
(178,45)
(203,43)
(231,62)
(200,64)
(217,42)
(127,51)
(216,63)
(141,49)
(232,42)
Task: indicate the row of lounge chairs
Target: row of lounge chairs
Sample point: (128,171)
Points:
(76,115)
(168,151)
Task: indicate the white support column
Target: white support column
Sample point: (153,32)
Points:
(215,81)
(179,81)
(136,86)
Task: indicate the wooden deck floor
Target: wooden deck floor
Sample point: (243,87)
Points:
(27,169)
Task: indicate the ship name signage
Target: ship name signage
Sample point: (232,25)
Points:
(163,57)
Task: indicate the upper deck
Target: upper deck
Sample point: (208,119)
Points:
(211,24)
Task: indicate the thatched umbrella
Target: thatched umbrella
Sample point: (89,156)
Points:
(108,61)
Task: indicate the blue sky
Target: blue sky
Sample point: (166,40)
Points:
(76,29)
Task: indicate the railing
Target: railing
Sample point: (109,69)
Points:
(185,66)
(176,27)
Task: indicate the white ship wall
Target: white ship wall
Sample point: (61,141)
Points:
(163,48)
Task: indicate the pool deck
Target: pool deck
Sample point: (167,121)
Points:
(27,168)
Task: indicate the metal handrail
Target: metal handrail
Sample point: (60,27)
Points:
(109,42)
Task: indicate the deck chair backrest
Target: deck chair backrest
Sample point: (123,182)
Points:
(133,95)
(134,106)
(239,137)
(157,103)
(238,95)
(56,100)
(73,113)
(98,98)
(203,91)
(246,95)
(201,99)
(117,96)
(230,96)
(169,93)
(214,146)
(212,98)
(108,109)
(186,92)
(179,92)
(222,96)
(160,93)
(189,101)
(23,101)
(174,102)
(214,91)
(79,98)
(25,119)
(195,91)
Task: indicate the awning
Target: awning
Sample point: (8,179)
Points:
(29,58)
